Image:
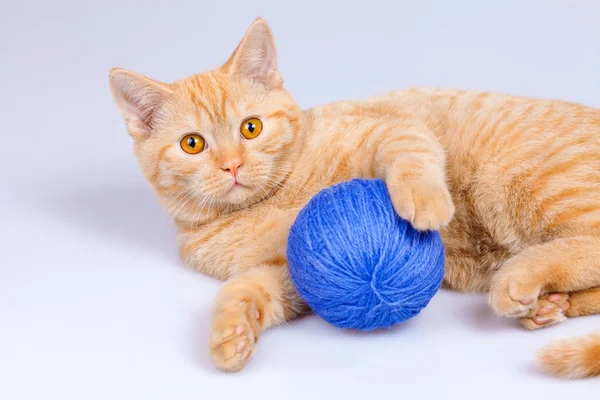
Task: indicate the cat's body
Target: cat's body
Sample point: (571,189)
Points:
(520,176)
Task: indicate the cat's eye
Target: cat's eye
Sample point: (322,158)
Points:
(192,143)
(251,128)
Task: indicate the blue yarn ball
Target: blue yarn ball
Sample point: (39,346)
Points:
(357,264)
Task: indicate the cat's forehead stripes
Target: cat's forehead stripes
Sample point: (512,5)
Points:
(208,95)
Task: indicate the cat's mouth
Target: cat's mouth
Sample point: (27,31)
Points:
(237,186)
(238,193)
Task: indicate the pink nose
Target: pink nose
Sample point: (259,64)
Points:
(232,168)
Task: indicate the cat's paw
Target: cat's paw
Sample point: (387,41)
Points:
(426,205)
(550,310)
(234,335)
(512,294)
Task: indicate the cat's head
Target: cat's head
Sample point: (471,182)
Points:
(215,141)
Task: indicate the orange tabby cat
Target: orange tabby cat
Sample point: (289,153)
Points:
(233,159)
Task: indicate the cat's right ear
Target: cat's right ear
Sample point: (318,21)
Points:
(255,58)
(138,99)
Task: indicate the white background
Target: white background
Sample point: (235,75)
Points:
(94,301)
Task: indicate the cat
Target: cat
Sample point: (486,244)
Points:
(512,183)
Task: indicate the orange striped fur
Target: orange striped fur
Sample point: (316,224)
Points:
(513,183)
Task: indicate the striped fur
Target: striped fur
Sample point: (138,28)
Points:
(513,183)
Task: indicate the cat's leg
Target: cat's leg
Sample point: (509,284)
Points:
(247,305)
(248,248)
(560,266)
(584,302)
(412,163)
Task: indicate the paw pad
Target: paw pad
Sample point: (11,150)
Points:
(551,310)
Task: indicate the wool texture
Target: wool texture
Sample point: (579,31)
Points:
(357,264)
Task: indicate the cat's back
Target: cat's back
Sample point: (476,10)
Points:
(482,117)
(521,170)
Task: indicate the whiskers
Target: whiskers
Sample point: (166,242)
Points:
(281,181)
(206,201)
(181,196)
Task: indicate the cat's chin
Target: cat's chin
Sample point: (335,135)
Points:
(238,194)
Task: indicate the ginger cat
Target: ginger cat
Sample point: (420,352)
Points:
(232,158)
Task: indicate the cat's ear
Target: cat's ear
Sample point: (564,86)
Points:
(255,58)
(137,98)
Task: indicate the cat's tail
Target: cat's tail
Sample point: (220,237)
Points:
(572,358)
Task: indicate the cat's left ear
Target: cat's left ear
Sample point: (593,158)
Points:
(255,58)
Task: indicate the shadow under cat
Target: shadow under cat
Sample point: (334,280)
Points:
(122,212)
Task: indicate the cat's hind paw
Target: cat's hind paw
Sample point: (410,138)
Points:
(550,310)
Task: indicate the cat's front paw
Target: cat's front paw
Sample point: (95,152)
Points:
(234,335)
(426,205)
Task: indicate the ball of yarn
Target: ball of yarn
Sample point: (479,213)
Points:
(357,264)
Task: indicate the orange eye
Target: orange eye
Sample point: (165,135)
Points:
(192,143)
(251,128)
